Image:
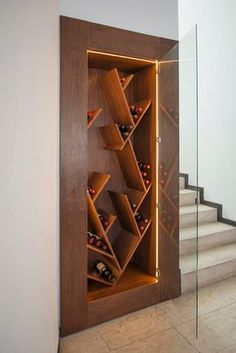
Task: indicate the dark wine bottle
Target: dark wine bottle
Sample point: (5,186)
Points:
(91,190)
(96,240)
(103,220)
(89,115)
(147,182)
(140,218)
(103,271)
(143,166)
(133,205)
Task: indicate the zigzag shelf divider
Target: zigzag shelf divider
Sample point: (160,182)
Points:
(119,254)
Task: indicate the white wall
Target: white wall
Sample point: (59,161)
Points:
(155,17)
(28,154)
(217,114)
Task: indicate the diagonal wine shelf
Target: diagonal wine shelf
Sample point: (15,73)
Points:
(113,137)
(127,204)
(92,116)
(97,182)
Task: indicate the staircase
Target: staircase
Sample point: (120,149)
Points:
(216,243)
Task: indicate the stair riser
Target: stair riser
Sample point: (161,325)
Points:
(208,276)
(190,220)
(188,247)
(181,183)
(187,199)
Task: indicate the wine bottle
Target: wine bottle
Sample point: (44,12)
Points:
(125,129)
(103,271)
(91,190)
(133,205)
(143,166)
(96,240)
(89,115)
(140,218)
(103,220)
(146,182)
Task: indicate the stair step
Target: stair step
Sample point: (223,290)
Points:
(188,215)
(187,197)
(181,183)
(214,265)
(210,235)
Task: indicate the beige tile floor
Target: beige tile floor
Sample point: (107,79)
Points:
(167,327)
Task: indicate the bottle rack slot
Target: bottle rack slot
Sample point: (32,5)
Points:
(92,116)
(124,247)
(98,182)
(124,211)
(129,167)
(125,80)
(107,261)
(113,138)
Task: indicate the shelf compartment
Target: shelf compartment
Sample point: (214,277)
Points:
(146,228)
(116,98)
(124,247)
(110,262)
(136,196)
(112,137)
(99,251)
(125,213)
(95,114)
(97,226)
(127,81)
(129,167)
(132,277)
(98,182)
(110,218)
(145,104)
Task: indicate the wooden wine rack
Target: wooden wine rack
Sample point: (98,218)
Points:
(101,73)
(130,236)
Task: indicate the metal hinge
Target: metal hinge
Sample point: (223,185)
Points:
(159,139)
(158,272)
(158,205)
(158,69)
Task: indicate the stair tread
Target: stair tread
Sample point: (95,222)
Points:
(208,258)
(205,229)
(193,209)
(187,191)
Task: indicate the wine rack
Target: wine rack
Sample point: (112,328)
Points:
(112,88)
(108,199)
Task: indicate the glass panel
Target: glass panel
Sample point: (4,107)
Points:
(189,194)
(184,57)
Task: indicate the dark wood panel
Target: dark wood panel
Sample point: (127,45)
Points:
(80,156)
(73,135)
(120,41)
(145,292)
(168,227)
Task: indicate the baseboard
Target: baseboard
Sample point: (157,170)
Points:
(216,205)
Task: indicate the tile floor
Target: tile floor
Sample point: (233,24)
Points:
(168,327)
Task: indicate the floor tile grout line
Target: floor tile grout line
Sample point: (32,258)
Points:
(199,316)
(143,339)
(189,342)
(103,340)
(226,348)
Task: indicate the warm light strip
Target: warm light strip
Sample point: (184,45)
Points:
(121,56)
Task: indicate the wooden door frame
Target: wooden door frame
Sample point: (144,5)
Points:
(77,37)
